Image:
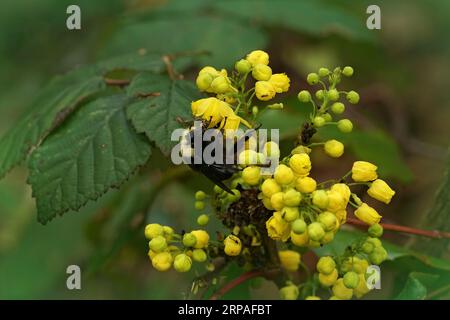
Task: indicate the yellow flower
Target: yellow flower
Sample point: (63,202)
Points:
(212,110)
(320,199)
(182,263)
(341,291)
(277,201)
(334,148)
(261,72)
(343,190)
(363,171)
(277,228)
(221,84)
(289,292)
(248,157)
(312,298)
(264,90)
(362,288)
(269,187)
(289,259)
(258,57)
(341,216)
(280,82)
(162,261)
(271,149)
(233,245)
(292,198)
(204,81)
(283,175)
(211,71)
(328,280)
(300,240)
(367,214)
(153,230)
(381,191)
(251,175)
(336,201)
(306,184)
(202,238)
(300,163)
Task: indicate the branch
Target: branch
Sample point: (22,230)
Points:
(393,227)
(234,283)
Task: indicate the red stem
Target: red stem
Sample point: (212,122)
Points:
(393,227)
(234,283)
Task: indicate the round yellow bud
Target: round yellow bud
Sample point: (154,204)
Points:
(363,171)
(289,259)
(381,191)
(328,280)
(292,198)
(326,265)
(261,72)
(336,201)
(269,187)
(267,203)
(280,82)
(162,261)
(367,214)
(290,213)
(202,238)
(277,227)
(248,157)
(243,66)
(204,81)
(334,148)
(271,150)
(199,255)
(306,185)
(289,292)
(320,199)
(301,164)
(328,220)
(283,175)
(182,263)
(264,90)
(210,70)
(158,244)
(153,230)
(341,291)
(220,84)
(277,201)
(343,190)
(233,245)
(251,175)
(258,57)
(300,240)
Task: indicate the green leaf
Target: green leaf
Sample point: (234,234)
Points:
(157,116)
(414,288)
(95,150)
(59,99)
(225,39)
(313,17)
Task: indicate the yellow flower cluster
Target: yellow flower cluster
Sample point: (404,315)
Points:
(164,254)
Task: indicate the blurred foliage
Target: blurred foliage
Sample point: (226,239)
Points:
(403,71)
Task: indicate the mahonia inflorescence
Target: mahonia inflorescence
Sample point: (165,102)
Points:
(286,207)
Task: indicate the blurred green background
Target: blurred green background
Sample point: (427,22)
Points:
(402,124)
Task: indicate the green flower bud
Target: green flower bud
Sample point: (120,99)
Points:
(323,72)
(276,106)
(292,198)
(345,125)
(200,195)
(375,230)
(319,94)
(289,292)
(318,121)
(217,189)
(326,265)
(182,263)
(378,255)
(312,78)
(333,94)
(290,213)
(299,226)
(320,199)
(367,247)
(199,205)
(202,220)
(353,97)
(304,96)
(199,255)
(338,107)
(351,280)
(189,240)
(327,117)
(158,244)
(347,71)
(315,231)
(255,110)
(375,241)
(243,66)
